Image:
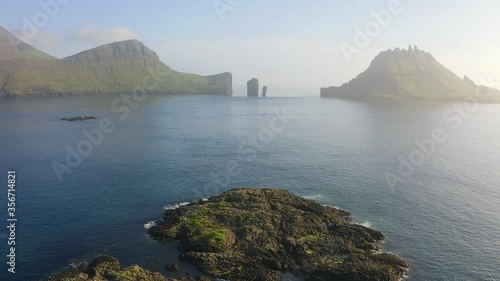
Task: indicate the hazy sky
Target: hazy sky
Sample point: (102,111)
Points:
(281,42)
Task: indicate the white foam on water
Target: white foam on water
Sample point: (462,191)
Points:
(149,224)
(366,224)
(175,206)
(313,196)
(335,207)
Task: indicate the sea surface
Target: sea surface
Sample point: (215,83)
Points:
(437,202)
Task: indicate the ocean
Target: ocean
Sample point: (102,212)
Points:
(422,173)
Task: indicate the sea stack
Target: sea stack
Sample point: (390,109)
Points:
(253,87)
(264,91)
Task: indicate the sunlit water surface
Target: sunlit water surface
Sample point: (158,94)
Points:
(443,219)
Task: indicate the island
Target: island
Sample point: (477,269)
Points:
(115,68)
(410,74)
(261,235)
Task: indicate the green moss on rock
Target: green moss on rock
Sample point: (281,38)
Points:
(257,234)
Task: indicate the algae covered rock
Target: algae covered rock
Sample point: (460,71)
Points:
(104,268)
(259,234)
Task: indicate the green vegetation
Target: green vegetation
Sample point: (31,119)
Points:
(196,224)
(213,238)
(122,67)
(307,238)
(123,273)
(201,226)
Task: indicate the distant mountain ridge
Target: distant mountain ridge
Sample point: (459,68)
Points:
(411,73)
(120,67)
(12,47)
(126,50)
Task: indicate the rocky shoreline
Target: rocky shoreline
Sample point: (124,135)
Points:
(108,268)
(261,235)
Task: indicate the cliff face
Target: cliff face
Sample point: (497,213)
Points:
(120,67)
(404,73)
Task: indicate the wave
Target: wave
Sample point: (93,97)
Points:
(335,207)
(175,206)
(149,224)
(313,196)
(178,205)
(366,224)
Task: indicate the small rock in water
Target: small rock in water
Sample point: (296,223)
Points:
(79,118)
(172,267)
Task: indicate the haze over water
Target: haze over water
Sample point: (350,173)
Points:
(443,220)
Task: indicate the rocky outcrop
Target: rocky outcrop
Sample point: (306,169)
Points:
(258,234)
(264,91)
(172,267)
(105,268)
(79,118)
(253,87)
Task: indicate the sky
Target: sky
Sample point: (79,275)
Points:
(306,44)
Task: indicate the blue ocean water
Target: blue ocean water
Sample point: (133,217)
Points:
(441,215)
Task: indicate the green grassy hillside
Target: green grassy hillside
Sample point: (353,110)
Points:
(113,68)
(404,73)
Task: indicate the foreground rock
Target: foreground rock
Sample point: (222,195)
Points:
(79,118)
(108,268)
(258,234)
